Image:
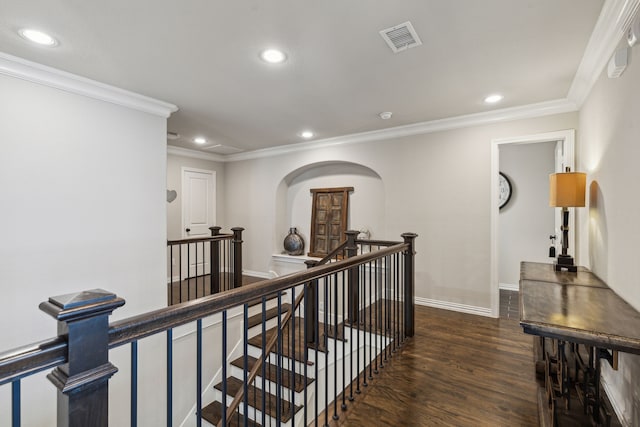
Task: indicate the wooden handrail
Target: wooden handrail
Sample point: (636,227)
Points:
(134,328)
(31,359)
(260,361)
(199,239)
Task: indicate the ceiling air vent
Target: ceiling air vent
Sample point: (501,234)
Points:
(401,37)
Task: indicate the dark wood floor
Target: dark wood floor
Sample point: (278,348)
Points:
(458,370)
(198,287)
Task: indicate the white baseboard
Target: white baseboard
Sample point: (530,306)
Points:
(446,305)
(509,287)
(260,274)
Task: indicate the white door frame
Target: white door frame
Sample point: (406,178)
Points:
(567,138)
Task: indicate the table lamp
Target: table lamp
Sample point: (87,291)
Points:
(566,190)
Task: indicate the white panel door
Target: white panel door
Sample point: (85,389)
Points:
(198,214)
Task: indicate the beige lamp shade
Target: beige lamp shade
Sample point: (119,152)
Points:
(567,189)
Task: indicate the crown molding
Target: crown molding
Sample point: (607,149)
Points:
(477,119)
(37,73)
(613,22)
(185,152)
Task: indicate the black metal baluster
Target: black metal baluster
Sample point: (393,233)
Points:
(344,339)
(363,316)
(279,369)
(376,308)
(370,308)
(134,384)
(292,356)
(305,343)
(245,344)
(15,403)
(180,273)
(325,345)
(171,260)
(196,272)
(351,377)
(316,341)
(169,377)
(335,346)
(224,368)
(265,359)
(199,372)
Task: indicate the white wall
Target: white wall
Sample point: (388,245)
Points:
(175,164)
(83,207)
(437,185)
(609,230)
(526,221)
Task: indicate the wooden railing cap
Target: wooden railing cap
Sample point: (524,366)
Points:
(83,304)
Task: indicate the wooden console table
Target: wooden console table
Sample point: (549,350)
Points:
(580,321)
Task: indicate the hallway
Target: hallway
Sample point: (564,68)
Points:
(459,370)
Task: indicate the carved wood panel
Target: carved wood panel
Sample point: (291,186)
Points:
(328,219)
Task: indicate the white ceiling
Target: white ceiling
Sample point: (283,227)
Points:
(202,55)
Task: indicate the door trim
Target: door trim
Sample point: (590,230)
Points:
(567,138)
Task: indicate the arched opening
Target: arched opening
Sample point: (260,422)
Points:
(293,198)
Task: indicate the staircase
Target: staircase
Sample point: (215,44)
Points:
(285,367)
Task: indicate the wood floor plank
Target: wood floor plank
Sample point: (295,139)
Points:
(459,370)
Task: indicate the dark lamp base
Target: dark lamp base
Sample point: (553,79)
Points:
(565,262)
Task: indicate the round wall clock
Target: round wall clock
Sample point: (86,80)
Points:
(504,194)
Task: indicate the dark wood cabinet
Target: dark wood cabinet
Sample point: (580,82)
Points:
(328,219)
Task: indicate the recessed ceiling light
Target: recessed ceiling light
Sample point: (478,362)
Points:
(307,134)
(385,115)
(199,140)
(492,99)
(38,37)
(273,56)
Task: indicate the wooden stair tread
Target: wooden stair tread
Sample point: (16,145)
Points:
(271,313)
(254,398)
(271,372)
(213,414)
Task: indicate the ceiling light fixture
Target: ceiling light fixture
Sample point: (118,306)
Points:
(386,115)
(38,37)
(199,140)
(273,56)
(492,99)
(307,134)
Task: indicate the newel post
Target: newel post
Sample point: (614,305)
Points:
(354,281)
(83,382)
(214,261)
(310,305)
(237,256)
(409,284)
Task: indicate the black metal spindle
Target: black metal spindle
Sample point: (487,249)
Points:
(245,345)
(292,356)
(279,369)
(265,358)
(335,348)
(171,261)
(134,384)
(224,368)
(344,339)
(363,308)
(169,377)
(305,344)
(371,332)
(316,341)
(199,372)
(325,345)
(376,316)
(15,403)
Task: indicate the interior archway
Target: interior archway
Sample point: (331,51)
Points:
(366,203)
